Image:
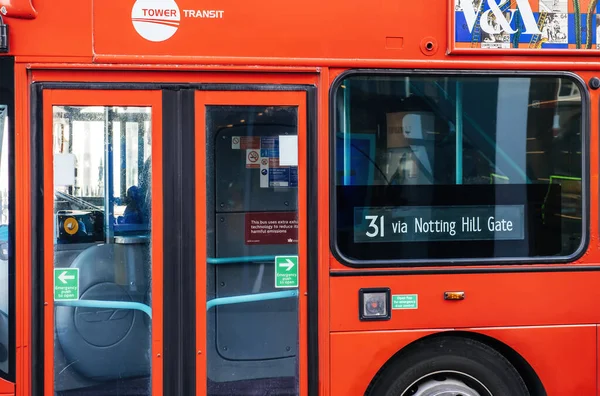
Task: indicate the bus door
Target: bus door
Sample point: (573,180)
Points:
(102,249)
(251,242)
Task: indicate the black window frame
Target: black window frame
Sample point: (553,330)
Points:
(447,262)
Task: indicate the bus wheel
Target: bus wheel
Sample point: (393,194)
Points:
(450,366)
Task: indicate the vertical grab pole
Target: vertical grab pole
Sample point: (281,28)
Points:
(108,180)
(346,132)
(459,134)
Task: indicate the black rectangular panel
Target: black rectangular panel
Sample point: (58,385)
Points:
(179,256)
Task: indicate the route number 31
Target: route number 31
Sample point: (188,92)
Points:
(377,229)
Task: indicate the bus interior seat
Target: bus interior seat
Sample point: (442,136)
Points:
(3,341)
(105,344)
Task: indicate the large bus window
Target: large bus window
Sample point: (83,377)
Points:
(5,285)
(458,168)
(102,250)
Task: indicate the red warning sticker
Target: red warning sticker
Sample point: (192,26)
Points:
(245,142)
(271,228)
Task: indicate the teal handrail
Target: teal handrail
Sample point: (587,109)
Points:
(107,304)
(246,298)
(459,134)
(346,132)
(241,259)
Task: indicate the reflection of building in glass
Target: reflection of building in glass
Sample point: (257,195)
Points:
(85,140)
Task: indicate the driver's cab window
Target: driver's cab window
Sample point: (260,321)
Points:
(102,276)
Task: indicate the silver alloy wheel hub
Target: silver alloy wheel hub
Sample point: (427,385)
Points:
(447,387)
(447,383)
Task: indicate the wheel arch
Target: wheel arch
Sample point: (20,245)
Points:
(530,377)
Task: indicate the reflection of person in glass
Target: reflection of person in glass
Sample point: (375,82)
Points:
(133,211)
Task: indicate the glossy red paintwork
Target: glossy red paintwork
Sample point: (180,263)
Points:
(549,318)
(6,388)
(22,9)
(563,357)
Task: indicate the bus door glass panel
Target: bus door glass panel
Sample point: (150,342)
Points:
(5,347)
(252,212)
(102,262)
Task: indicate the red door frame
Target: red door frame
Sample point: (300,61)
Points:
(249,98)
(59,97)
(81,74)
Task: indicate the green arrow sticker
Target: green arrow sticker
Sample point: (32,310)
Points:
(286,271)
(66,284)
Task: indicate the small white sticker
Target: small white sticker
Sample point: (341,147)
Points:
(64,169)
(264,172)
(235,142)
(288,150)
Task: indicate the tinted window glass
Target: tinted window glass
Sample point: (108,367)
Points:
(252,246)
(102,251)
(6,349)
(469,167)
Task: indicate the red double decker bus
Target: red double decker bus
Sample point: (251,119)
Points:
(317,198)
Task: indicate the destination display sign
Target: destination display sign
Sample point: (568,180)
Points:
(439,223)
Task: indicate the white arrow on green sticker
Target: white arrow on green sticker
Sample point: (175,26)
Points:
(66,284)
(63,277)
(288,265)
(286,271)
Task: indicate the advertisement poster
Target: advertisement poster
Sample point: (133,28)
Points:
(526,24)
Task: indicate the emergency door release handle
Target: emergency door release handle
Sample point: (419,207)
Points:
(454,295)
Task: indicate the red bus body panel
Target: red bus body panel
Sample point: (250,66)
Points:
(549,318)
(491,300)
(7,388)
(563,357)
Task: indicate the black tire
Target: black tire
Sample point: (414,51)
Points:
(463,355)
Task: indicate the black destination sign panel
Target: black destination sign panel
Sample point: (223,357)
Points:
(438,223)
